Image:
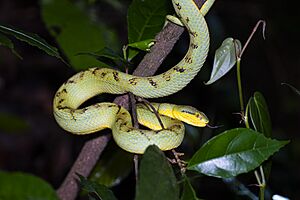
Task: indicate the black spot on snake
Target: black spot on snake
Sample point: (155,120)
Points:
(103,74)
(133,81)
(194,46)
(178,6)
(188,60)
(70,81)
(187,20)
(59,107)
(142,133)
(81,75)
(119,108)
(116,76)
(61,100)
(166,76)
(179,69)
(153,83)
(195,34)
(94,71)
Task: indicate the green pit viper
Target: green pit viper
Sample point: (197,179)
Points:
(94,81)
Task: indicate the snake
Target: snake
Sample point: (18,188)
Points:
(77,119)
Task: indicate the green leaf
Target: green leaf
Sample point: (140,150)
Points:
(188,192)
(143,45)
(114,165)
(108,56)
(6,42)
(234,152)
(261,121)
(75,32)
(156,178)
(10,123)
(32,39)
(93,188)
(145,19)
(259,114)
(225,59)
(20,186)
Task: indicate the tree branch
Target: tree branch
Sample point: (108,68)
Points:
(92,149)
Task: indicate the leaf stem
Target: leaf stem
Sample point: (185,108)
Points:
(263,22)
(239,81)
(259,177)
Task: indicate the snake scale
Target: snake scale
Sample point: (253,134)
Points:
(94,81)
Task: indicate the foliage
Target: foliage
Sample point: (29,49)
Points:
(145,19)
(84,43)
(96,190)
(75,32)
(154,169)
(233,152)
(20,186)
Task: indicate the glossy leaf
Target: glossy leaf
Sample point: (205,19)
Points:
(257,111)
(145,19)
(234,152)
(188,192)
(259,114)
(6,42)
(20,186)
(156,178)
(10,123)
(113,166)
(75,32)
(225,59)
(32,39)
(95,189)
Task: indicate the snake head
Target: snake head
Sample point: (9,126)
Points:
(190,115)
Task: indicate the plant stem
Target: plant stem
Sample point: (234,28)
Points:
(262,192)
(263,184)
(238,70)
(260,178)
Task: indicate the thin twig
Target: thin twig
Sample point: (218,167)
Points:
(181,164)
(263,22)
(153,110)
(133,110)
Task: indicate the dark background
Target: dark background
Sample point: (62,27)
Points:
(27,87)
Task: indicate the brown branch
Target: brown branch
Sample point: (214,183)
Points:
(92,149)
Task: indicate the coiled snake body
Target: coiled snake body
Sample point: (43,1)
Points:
(95,81)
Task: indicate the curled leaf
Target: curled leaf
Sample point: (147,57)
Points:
(259,114)
(225,59)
